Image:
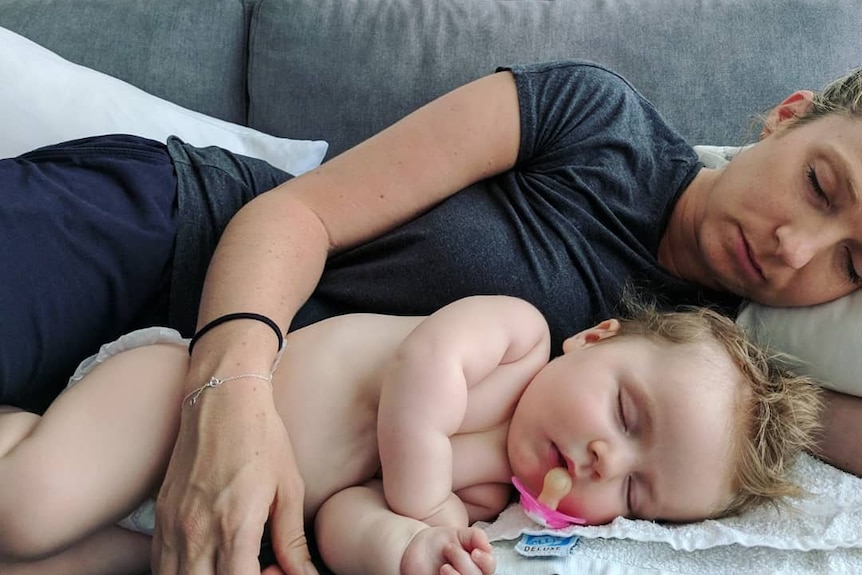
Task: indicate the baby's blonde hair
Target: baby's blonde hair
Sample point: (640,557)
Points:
(777,418)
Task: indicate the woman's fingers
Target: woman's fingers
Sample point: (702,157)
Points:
(291,550)
(287,522)
(220,487)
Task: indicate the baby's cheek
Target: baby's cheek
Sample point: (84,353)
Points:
(598,506)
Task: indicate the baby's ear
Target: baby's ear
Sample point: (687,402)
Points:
(588,337)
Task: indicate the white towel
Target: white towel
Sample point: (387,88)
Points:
(830,518)
(819,534)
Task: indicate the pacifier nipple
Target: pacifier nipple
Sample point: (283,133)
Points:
(555,487)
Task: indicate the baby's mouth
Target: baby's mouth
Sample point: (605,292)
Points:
(559,460)
(555,458)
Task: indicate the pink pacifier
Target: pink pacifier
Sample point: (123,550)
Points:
(543,509)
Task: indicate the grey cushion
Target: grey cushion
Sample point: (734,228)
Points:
(344,69)
(192,52)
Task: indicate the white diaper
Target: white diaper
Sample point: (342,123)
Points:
(139,338)
(142,519)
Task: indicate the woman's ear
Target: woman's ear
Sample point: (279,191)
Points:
(792,106)
(588,337)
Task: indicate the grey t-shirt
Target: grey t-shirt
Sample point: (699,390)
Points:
(579,216)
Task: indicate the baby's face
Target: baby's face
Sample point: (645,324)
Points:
(643,428)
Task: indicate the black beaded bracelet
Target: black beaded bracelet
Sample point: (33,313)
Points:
(239,315)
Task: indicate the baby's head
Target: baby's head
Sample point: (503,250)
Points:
(776,412)
(671,416)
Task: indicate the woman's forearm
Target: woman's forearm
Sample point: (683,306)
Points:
(268,261)
(841,440)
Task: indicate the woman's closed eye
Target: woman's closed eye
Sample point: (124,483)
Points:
(852,274)
(823,198)
(816,188)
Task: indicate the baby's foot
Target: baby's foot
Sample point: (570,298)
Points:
(15,426)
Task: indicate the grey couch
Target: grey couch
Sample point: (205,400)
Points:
(340,70)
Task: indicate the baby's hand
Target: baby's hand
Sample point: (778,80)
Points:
(449,551)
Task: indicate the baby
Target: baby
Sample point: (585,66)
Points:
(409,429)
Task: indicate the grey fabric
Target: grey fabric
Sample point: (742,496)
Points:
(581,215)
(344,69)
(192,52)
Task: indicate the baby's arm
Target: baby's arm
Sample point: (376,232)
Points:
(479,341)
(357,533)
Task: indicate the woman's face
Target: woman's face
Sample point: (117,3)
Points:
(643,428)
(782,223)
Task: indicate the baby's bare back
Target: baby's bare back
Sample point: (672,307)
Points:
(327,390)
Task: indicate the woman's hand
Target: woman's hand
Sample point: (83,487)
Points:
(232,469)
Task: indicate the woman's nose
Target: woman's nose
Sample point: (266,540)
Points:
(608,461)
(798,247)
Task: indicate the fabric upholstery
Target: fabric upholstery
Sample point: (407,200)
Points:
(348,68)
(191,52)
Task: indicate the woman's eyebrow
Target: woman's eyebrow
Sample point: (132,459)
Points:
(843,165)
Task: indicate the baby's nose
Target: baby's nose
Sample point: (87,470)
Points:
(608,461)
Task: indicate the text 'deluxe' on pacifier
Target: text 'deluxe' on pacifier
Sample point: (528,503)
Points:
(543,509)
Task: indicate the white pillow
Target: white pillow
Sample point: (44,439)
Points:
(826,337)
(46,99)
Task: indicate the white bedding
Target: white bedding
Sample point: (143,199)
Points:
(818,535)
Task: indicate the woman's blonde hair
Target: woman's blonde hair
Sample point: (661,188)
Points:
(778,417)
(842,97)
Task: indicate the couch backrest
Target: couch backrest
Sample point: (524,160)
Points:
(344,69)
(341,70)
(191,52)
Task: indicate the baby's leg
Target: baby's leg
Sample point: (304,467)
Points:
(15,425)
(111,551)
(100,449)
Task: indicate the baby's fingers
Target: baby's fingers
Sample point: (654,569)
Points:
(475,538)
(485,560)
(463,562)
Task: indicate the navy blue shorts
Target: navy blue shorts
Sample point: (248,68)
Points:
(101,236)
(86,239)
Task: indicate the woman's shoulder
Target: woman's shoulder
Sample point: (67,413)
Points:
(565,66)
(571,90)
(567,103)
(586,73)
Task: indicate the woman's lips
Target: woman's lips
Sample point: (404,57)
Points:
(747,259)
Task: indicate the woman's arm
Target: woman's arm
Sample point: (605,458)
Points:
(232,466)
(841,441)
